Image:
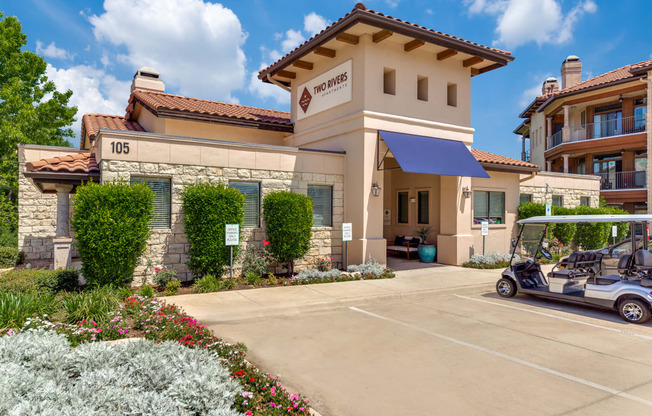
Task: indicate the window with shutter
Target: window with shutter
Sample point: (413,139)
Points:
(322,205)
(488,206)
(162,199)
(251,191)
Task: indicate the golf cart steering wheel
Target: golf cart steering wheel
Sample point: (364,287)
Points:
(545,253)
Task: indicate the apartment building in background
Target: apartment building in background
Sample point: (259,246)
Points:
(599,126)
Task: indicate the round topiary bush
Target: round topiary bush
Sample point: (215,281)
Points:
(288,223)
(9,257)
(111,224)
(207,208)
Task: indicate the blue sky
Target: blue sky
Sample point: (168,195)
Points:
(212,50)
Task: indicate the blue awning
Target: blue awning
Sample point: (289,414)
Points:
(421,154)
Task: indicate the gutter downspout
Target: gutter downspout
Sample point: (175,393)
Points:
(527,178)
(275,82)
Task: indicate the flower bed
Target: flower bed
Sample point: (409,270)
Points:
(154,320)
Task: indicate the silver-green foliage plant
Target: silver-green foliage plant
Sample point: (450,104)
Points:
(41,374)
(492,258)
(370,267)
(308,274)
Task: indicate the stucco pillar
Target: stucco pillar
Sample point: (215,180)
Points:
(548,129)
(523,147)
(363,210)
(454,242)
(566,130)
(565,156)
(548,165)
(63,241)
(648,125)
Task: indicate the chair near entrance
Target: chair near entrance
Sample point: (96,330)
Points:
(405,244)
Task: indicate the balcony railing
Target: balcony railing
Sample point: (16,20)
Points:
(525,156)
(601,130)
(623,180)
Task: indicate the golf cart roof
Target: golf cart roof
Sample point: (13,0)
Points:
(558,219)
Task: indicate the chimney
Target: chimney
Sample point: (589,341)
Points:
(571,71)
(549,86)
(147,79)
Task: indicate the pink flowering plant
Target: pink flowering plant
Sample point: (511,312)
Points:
(163,276)
(324,264)
(256,261)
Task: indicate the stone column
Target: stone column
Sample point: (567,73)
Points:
(549,130)
(565,156)
(566,130)
(548,165)
(62,240)
(523,147)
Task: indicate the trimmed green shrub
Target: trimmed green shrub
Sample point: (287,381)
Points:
(531,209)
(38,281)
(207,208)
(172,288)
(111,224)
(563,232)
(146,291)
(208,283)
(9,257)
(288,223)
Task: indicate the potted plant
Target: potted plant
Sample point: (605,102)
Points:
(427,251)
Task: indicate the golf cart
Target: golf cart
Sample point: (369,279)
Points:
(579,278)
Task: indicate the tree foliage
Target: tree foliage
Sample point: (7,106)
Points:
(32,111)
(288,223)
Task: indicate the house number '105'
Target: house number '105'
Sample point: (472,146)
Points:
(120,147)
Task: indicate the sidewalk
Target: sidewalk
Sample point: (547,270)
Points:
(251,304)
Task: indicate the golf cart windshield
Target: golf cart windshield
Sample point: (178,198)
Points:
(527,247)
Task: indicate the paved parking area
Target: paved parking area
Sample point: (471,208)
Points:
(461,351)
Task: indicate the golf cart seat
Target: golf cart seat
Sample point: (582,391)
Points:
(643,259)
(577,265)
(609,279)
(624,264)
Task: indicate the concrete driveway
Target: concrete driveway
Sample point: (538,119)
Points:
(437,341)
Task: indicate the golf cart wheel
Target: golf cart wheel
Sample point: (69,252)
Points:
(506,287)
(634,310)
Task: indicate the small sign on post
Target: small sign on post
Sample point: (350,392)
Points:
(231,238)
(614,232)
(347,235)
(484,232)
(548,209)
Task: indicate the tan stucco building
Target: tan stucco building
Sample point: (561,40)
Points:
(379,135)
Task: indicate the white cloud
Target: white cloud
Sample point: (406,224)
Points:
(196,46)
(314,23)
(534,91)
(51,51)
(267,91)
(293,38)
(429,12)
(94,91)
(523,21)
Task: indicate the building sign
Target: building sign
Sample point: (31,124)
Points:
(347,231)
(548,209)
(232,234)
(387,217)
(325,91)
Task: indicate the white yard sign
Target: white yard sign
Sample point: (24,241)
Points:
(325,91)
(232,234)
(347,231)
(614,231)
(548,209)
(485,227)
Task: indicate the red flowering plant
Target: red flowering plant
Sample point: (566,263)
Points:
(324,264)
(256,261)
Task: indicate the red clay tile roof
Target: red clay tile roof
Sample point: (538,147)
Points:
(360,9)
(158,101)
(77,163)
(92,123)
(622,74)
(486,157)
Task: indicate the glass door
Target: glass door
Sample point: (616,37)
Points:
(607,124)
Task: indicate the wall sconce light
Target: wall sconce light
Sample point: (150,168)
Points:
(467,192)
(375,189)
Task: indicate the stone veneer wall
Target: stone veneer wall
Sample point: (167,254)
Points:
(168,247)
(37,220)
(570,197)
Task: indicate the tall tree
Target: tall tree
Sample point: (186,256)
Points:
(32,111)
